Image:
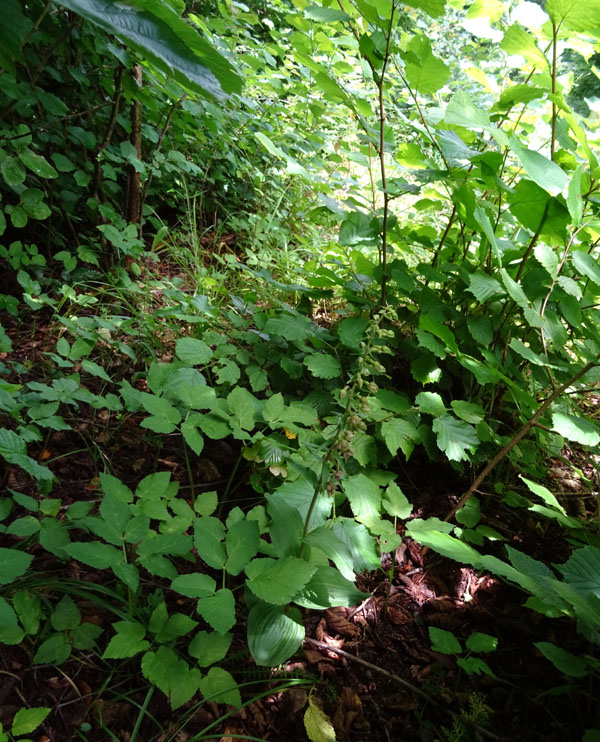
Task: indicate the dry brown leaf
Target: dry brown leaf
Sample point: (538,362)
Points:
(339,624)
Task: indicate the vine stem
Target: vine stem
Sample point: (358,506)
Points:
(520,435)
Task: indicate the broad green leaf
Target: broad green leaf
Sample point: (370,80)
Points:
(209,647)
(27,720)
(325,15)
(518,41)
(484,287)
(28,607)
(208,538)
(434,8)
(273,408)
(544,493)
(324,539)
(399,434)
(54,650)
(287,524)
(582,571)
(195,585)
(514,289)
(364,496)
(444,333)
(219,686)
(157,32)
(12,171)
(242,543)
(292,327)
(577,429)
(430,403)
(443,543)
(351,331)
(574,197)
(546,256)
(474,666)
(177,625)
(273,635)
(468,411)
(128,641)
(567,663)
(395,502)
(218,610)
(95,554)
(482,643)
(241,405)
(192,437)
(470,513)
(425,72)
(293,166)
(10,631)
(393,401)
(576,15)
(328,589)
(323,366)
(461,111)
(455,437)
(66,615)
(193,351)
(358,229)
(546,173)
(317,724)
(14,29)
(14,564)
(277,581)
(37,164)
(444,641)
(586,265)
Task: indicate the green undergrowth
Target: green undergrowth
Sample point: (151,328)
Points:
(373,252)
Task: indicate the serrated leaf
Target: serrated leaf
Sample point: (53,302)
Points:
(425,72)
(317,724)
(399,434)
(14,564)
(27,720)
(455,437)
(444,641)
(128,641)
(100,556)
(273,408)
(209,647)
(66,614)
(364,496)
(546,173)
(322,365)
(544,254)
(468,411)
(576,15)
(481,643)
(395,502)
(193,351)
(241,406)
(469,514)
(351,331)
(586,265)
(242,543)
(219,686)
(194,585)
(582,571)
(208,542)
(430,403)
(192,437)
(218,610)
(273,636)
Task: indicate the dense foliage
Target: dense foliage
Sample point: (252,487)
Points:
(331,237)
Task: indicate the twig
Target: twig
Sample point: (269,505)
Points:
(520,435)
(397,679)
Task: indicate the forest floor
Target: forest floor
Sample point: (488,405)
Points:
(371,666)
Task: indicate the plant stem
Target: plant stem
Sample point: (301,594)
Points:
(554,108)
(520,435)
